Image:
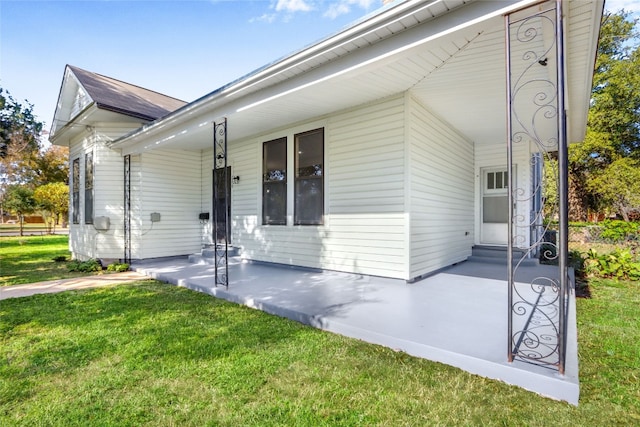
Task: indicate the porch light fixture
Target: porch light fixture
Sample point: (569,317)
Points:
(236,179)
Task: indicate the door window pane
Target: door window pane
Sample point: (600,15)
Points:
(490,181)
(274,182)
(495,209)
(309,187)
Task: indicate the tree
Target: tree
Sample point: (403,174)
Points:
(23,157)
(619,186)
(53,200)
(19,136)
(613,130)
(40,167)
(19,128)
(52,165)
(18,199)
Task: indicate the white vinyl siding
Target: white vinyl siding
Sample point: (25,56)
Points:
(108,193)
(85,241)
(364,229)
(442,196)
(171,186)
(366,192)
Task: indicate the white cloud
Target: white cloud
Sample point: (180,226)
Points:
(293,6)
(285,10)
(342,7)
(336,9)
(267,17)
(628,5)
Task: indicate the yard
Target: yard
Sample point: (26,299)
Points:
(29,259)
(154,354)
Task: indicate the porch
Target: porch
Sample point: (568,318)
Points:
(457,316)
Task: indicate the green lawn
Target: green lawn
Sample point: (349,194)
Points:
(29,259)
(158,355)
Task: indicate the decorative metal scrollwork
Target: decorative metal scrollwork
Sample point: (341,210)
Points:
(221,192)
(537,307)
(536,324)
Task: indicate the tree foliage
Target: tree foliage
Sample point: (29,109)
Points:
(24,159)
(612,142)
(18,199)
(618,186)
(39,167)
(53,201)
(19,128)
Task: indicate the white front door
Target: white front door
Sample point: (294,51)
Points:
(495,206)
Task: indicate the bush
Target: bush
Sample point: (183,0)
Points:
(618,231)
(619,264)
(87,266)
(117,267)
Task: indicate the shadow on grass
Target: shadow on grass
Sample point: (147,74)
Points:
(145,322)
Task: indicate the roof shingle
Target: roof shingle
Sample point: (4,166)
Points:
(118,96)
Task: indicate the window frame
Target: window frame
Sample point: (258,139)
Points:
(266,183)
(298,178)
(75,195)
(88,187)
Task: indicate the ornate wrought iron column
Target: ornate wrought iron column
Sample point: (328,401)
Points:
(127,209)
(536,119)
(221,194)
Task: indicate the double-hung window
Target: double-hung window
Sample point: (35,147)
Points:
(309,173)
(88,188)
(274,182)
(75,186)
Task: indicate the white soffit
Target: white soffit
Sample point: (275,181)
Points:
(459,75)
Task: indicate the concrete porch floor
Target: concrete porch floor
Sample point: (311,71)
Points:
(457,317)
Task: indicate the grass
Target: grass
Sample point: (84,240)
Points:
(29,259)
(154,354)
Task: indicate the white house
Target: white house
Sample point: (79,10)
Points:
(380,150)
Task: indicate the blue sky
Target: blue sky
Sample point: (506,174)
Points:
(185,49)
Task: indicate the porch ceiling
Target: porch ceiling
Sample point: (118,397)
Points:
(455,69)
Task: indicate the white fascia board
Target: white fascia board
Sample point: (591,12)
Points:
(233,98)
(70,129)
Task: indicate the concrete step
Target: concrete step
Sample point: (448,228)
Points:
(498,255)
(207,255)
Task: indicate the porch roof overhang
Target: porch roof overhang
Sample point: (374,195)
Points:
(448,54)
(92,115)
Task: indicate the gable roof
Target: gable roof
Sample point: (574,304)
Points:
(121,97)
(88,98)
